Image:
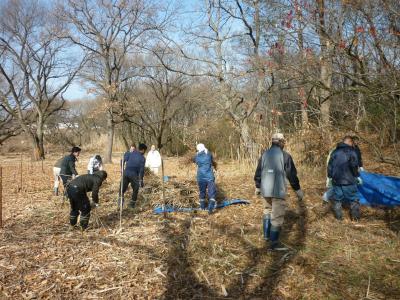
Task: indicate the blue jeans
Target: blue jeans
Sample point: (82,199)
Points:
(209,186)
(345,193)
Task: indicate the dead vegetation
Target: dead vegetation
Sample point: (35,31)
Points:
(189,255)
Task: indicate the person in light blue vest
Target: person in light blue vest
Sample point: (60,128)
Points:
(205,177)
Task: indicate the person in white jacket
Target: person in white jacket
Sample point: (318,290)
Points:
(95,164)
(153,160)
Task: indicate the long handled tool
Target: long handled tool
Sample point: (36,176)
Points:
(163,188)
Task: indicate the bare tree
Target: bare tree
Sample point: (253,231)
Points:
(34,66)
(111,31)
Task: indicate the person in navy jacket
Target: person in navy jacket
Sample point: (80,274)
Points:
(134,163)
(343,177)
(205,177)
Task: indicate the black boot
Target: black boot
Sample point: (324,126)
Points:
(267,226)
(73,218)
(337,210)
(132,204)
(274,244)
(355,210)
(84,221)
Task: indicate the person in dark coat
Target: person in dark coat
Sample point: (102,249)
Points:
(343,177)
(134,163)
(205,177)
(274,167)
(68,170)
(77,193)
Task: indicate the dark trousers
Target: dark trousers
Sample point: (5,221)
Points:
(80,204)
(65,179)
(207,186)
(135,184)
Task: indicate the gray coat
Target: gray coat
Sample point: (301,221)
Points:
(274,166)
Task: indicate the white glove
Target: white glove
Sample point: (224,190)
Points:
(300,194)
(93,204)
(328,182)
(359,181)
(362,169)
(257,191)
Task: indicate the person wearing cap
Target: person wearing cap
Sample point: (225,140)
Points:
(274,166)
(343,178)
(134,163)
(77,193)
(68,170)
(95,164)
(153,160)
(205,177)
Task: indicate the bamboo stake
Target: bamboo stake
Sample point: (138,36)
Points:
(1,197)
(20,172)
(163,188)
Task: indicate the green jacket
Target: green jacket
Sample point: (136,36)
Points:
(68,165)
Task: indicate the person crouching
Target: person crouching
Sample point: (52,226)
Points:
(77,193)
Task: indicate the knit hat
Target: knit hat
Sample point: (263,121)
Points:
(278,137)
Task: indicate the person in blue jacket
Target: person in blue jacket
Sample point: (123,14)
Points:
(134,163)
(343,177)
(205,177)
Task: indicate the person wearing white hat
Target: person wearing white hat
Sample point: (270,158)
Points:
(274,167)
(205,177)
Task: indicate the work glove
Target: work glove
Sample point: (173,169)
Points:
(328,182)
(300,194)
(93,204)
(359,181)
(257,191)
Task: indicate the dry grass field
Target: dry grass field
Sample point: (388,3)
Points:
(189,255)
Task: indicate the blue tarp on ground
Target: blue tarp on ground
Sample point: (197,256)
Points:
(379,190)
(170,208)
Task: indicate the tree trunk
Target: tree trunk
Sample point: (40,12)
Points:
(326,79)
(245,137)
(110,137)
(326,65)
(37,146)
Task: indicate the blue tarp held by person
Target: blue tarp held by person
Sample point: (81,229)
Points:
(379,190)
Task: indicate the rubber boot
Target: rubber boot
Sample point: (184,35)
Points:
(73,220)
(355,210)
(132,204)
(267,226)
(274,244)
(212,205)
(56,191)
(84,221)
(202,204)
(337,210)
